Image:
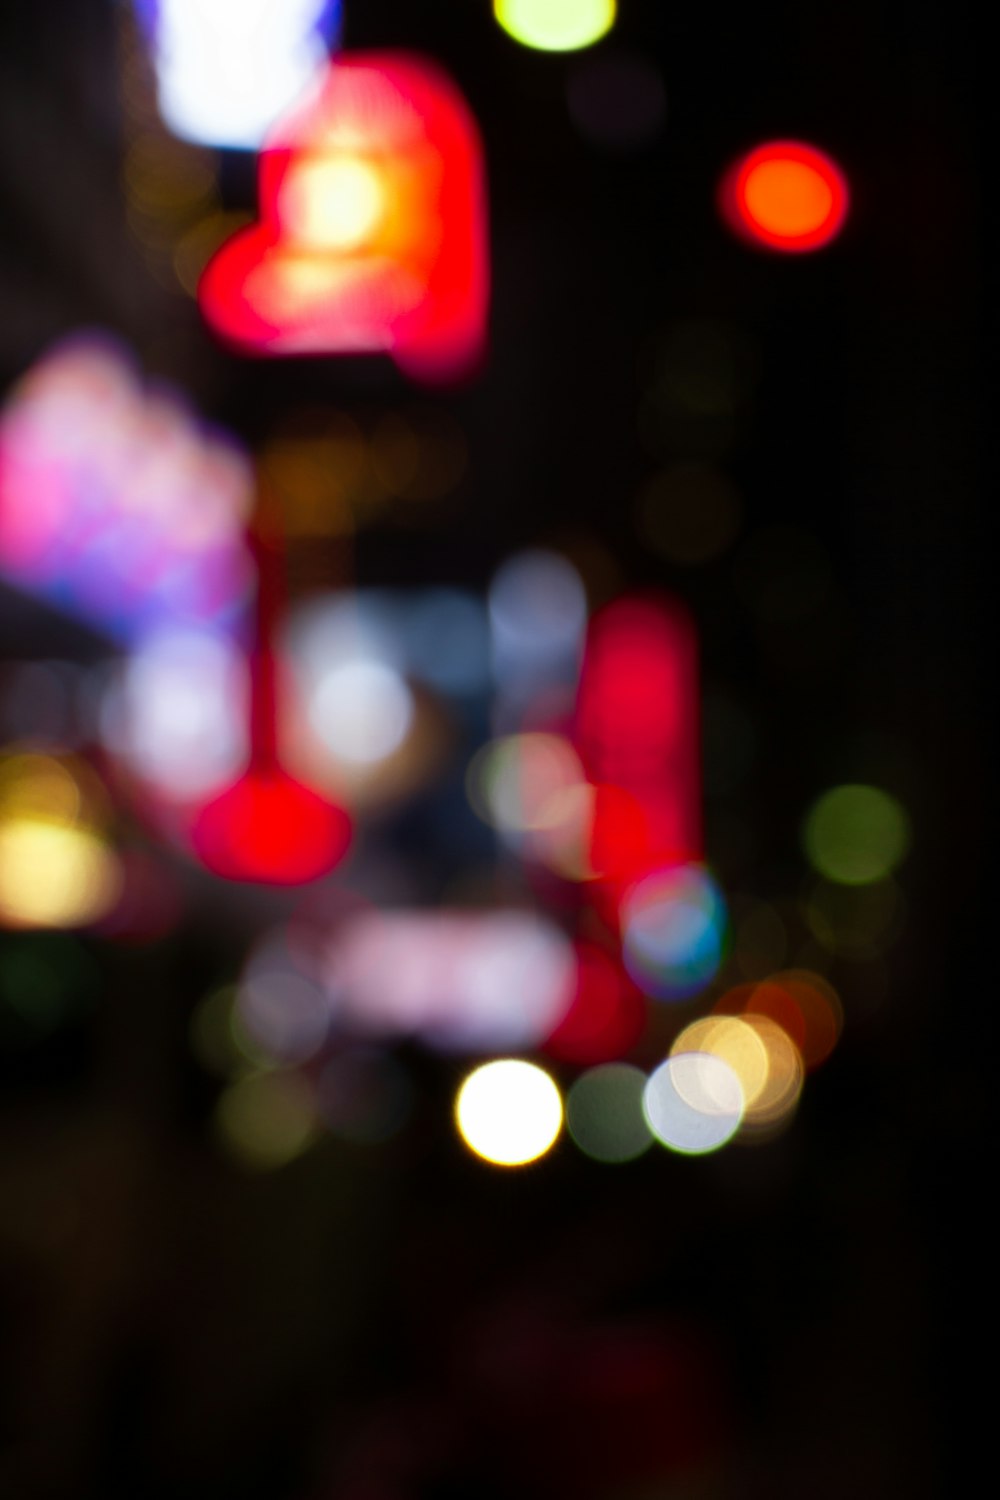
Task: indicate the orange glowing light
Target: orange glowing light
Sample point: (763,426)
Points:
(786,195)
(802,1003)
(373,227)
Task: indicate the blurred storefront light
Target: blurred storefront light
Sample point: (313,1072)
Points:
(116,503)
(373,227)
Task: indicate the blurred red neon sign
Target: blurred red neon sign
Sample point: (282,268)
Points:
(373,227)
(637,736)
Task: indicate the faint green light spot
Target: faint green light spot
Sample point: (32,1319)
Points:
(604,1113)
(266,1120)
(856,834)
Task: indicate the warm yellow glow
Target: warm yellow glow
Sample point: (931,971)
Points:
(556,25)
(332,203)
(52,875)
(734,1042)
(509,1112)
(38,785)
(776,1100)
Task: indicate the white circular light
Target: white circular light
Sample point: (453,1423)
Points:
(362,711)
(509,1112)
(694,1103)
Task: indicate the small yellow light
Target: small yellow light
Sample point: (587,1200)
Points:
(509,1112)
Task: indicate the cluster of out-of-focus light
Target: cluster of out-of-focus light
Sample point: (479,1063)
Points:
(114,501)
(735,1074)
(531,788)
(673,932)
(786,196)
(763,1058)
(355,725)
(57,868)
(556,25)
(373,226)
(509,1112)
(226,70)
(459,981)
(856,834)
(800,1001)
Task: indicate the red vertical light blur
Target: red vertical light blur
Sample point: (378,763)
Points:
(637,736)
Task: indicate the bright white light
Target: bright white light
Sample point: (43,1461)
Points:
(694,1103)
(509,1112)
(331,204)
(362,711)
(178,713)
(228,69)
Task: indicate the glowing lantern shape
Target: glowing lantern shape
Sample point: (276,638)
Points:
(373,227)
(786,196)
(267,827)
(270,828)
